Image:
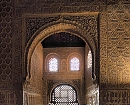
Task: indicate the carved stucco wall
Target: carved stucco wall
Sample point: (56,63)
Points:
(37,69)
(33,88)
(115,55)
(111,54)
(91,87)
(9,85)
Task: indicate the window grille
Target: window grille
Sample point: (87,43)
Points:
(89,59)
(64,95)
(74,63)
(53,64)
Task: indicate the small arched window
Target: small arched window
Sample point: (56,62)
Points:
(89,59)
(53,64)
(74,63)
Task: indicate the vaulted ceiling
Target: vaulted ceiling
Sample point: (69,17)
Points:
(62,39)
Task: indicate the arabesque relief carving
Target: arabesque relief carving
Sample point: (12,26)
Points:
(7,81)
(114,43)
(118,46)
(115,52)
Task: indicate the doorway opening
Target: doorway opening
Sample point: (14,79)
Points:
(64,48)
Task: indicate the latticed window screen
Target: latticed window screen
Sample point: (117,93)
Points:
(53,64)
(89,59)
(74,63)
(64,95)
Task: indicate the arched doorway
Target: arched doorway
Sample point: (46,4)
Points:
(64,94)
(44,32)
(58,28)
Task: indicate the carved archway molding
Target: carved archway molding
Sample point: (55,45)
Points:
(44,32)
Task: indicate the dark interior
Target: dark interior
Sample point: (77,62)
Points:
(63,39)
